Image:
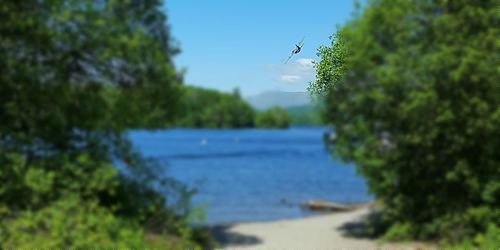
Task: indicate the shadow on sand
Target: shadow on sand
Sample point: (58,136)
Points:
(370,226)
(225,237)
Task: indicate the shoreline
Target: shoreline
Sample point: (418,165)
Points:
(309,213)
(324,231)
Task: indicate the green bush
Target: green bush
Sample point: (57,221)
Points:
(31,186)
(488,240)
(412,90)
(71,223)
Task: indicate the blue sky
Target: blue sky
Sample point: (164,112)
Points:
(244,43)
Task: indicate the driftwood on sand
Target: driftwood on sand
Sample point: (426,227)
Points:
(320,205)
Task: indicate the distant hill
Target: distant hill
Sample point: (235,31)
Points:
(304,115)
(279,98)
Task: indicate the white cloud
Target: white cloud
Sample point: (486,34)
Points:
(300,71)
(290,78)
(305,63)
(294,75)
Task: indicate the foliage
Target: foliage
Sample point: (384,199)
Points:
(416,105)
(205,108)
(333,65)
(306,115)
(71,222)
(489,240)
(75,74)
(274,117)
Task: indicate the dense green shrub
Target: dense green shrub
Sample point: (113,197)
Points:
(413,93)
(71,222)
(488,240)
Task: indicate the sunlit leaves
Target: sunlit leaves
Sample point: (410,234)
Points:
(331,68)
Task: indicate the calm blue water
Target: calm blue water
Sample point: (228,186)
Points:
(253,174)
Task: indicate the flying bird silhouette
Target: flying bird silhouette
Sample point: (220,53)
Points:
(296,50)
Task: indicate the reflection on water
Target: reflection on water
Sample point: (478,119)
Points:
(253,174)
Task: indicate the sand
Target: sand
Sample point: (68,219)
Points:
(317,233)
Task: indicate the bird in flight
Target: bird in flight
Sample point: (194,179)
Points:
(296,50)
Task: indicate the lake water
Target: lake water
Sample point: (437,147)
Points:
(253,174)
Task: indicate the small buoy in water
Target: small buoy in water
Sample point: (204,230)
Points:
(203,142)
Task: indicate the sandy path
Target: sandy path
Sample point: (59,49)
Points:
(319,232)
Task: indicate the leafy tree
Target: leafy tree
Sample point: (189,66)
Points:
(206,108)
(75,74)
(412,89)
(274,117)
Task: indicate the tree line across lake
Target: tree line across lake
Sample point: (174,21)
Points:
(206,108)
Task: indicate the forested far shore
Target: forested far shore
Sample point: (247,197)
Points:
(208,108)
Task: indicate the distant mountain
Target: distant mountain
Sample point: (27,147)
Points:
(279,98)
